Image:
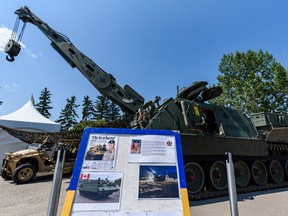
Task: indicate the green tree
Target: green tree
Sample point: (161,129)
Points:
(102,106)
(68,116)
(114,112)
(43,106)
(88,109)
(253,82)
(98,124)
(89,123)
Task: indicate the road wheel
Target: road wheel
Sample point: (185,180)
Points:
(24,173)
(259,173)
(5,176)
(194,177)
(218,175)
(276,171)
(242,173)
(286,168)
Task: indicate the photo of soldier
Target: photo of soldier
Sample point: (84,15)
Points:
(135,147)
(109,155)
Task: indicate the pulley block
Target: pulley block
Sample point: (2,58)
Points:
(12,48)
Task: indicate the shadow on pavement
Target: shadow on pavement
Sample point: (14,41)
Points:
(46,177)
(240,197)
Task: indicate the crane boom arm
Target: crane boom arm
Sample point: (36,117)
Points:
(126,98)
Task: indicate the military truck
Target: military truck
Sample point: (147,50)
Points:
(22,166)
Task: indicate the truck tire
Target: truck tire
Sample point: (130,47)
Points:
(24,173)
(5,176)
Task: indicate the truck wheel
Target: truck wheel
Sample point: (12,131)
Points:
(5,176)
(24,173)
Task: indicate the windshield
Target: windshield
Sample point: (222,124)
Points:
(34,146)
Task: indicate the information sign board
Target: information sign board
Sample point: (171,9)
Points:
(128,172)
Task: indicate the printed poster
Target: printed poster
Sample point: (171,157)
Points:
(100,153)
(151,148)
(98,191)
(158,181)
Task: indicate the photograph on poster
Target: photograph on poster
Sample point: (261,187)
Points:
(98,191)
(101,152)
(151,148)
(135,146)
(158,181)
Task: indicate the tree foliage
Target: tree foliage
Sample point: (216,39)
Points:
(88,109)
(98,124)
(253,82)
(43,106)
(104,114)
(89,123)
(102,104)
(68,115)
(106,110)
(114,112)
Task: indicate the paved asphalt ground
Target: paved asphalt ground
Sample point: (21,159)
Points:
(33,199)
(264,203)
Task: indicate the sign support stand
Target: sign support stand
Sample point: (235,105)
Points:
(56,184)
(231,185)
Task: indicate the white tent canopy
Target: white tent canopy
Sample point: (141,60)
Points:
(29,119)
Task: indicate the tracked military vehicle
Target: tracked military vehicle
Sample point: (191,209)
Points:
(96,189)
(96,152)
(207,131)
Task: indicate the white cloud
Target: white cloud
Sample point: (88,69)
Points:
(32,55)
(5,35)
(11,87)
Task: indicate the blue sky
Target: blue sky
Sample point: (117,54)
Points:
(151,45)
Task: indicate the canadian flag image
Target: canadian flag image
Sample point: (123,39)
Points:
(85,176)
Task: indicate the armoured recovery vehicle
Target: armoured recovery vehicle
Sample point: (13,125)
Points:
(96,189)
(207,131)
(23,165)
(96,152)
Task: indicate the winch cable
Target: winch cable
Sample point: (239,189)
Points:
(13,46)
(15,31)
(15,28)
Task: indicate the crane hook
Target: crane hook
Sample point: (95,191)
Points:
(12,48)
(10,58)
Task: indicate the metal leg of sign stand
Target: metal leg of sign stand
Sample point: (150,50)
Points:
(56,184)
(231,185)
